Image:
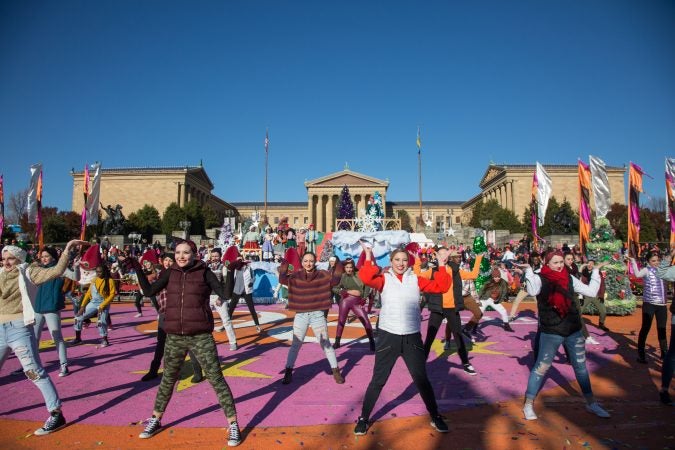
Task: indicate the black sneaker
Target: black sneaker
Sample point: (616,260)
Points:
(152,428)
(55,421)
(361,427)
(439,424)
(234,435)
(149,376)
(665,398)
(468,368)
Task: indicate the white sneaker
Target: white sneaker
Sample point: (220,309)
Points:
(590,340)
(233,347)
(528,411)
(596,409)
(138,315)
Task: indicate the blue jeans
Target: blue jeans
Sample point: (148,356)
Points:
(53,320)
(316,320)
(669,360)
(21,340)
(548,347)
(91,310)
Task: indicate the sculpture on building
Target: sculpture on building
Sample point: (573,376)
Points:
(114,223)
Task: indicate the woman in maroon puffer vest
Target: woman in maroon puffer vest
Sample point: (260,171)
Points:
(188,323)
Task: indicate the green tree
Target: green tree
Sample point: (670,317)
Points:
(193,213)
(502,219)
(618,220)
(210,218)
(55,229)
(172,216)
(406,225)
(146,221)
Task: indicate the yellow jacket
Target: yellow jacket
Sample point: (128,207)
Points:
(99,283)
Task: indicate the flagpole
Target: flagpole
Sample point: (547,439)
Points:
(419,174)
(267,144)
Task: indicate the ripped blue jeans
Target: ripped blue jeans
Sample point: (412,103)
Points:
(20,339)
(548,347)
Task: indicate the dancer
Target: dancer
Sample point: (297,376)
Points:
(447,306)
(399,333)
(216,266)
(188,323)
(49,302)
(573,270)
(17,285)
(167,262)
(666,271)
(559,323)
(535,263)
(96,302)
(149,259)
(494,291)
(352,294)
(653,304)
(309,292)
(240,285)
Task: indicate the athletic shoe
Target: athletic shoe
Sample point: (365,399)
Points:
(220,329)
(257,328)
(104,342)
(590,340)
(233,347)
(152,428)
(528,411)
(288,376)
(149,376)
(446,346)
(55,421)
(507,327)
(197,378)
(665,398)
(234,436)
(361,427)
(64,370)
(439,424)
(76,341)
(467,334)
(596,409)
(138,315)
(468,368)
(603,327)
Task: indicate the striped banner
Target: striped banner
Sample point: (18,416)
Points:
(584,204)
(634,188)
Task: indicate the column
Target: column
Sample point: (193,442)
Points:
(310,207)
(322,213)
(330,220)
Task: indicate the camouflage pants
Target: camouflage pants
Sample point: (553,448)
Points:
(204,347)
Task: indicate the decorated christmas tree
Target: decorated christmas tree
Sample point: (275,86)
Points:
(604,246)
(480,247)
(345,208)
(372,221)
(225,237)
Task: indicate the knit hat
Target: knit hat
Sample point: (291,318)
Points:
(149,255)
(551,254)
(91,258)
(231,254)
(16,252)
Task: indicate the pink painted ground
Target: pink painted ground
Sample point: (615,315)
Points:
(104,386)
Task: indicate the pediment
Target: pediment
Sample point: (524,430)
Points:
(200,174)
(346,177)
(491,173)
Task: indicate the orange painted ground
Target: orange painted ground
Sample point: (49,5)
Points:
(627,389)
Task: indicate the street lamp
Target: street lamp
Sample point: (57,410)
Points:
(135,237)
(185,226)
(486,224)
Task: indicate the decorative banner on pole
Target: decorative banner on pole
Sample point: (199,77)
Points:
(634,188)
(2,205)
(670,197)
(544,191)
(85,192)
(601,192)
(94,195)
(584,205)
(31,203)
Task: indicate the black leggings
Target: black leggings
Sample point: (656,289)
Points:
(249,302)
(389,347)
(455,323)
(648,312)
(139,302)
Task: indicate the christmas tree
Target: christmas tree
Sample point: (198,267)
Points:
(479,247)
(226,237)
(345,209)
(374,215)
(604,246)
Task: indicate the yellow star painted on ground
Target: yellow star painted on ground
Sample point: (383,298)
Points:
(49,343)
(232,369)
(478,347)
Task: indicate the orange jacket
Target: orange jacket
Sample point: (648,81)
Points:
(449,296)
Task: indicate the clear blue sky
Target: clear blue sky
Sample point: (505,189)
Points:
(150,83)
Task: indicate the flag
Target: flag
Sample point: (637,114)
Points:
(584,173)
(31,203)
(419,141)
(544,191)
(600,182)
(2,206)
(85,192)
(267,141)
(634,188)
(93,198)
(670,197)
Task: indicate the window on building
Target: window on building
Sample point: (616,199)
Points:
(295,220)
(458,219)
(276,220)
(305,220)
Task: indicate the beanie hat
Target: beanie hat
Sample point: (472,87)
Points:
(149,255)
(15,251)
(91,258)
(551,254)
(231,254)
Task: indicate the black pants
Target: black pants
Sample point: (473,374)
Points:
(159,354)
(435,320)
(389,348)
(249,302)
(139,302)
(649,311)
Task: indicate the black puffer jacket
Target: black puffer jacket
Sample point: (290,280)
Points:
(549,319)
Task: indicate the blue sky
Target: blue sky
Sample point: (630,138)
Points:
(156,83)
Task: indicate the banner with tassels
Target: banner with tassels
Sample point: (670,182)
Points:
(85,193)
(584,173)
(34,201)
(670,198)
(634,188)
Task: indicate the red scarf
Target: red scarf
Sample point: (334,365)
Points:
(559,295)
